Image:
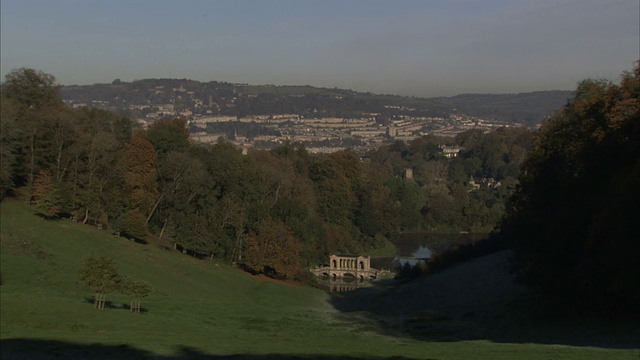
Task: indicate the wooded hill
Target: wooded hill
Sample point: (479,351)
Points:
(274,211)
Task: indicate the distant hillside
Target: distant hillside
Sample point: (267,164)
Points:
(531,108)
(139,97)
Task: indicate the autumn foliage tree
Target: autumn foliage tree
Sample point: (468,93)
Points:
(140,174)
(45,195)
(273,250)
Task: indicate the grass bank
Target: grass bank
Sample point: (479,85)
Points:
(198,308)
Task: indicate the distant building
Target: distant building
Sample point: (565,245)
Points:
(450,151)
(473,184)
(490,183)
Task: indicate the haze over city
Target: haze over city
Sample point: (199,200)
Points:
(421,48)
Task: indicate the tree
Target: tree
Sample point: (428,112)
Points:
(46,199)
(101,276)
(334,178)
(96,180)
(134,224)
(376,212)
(574,217)
(8,145)
(272,250)
(36,99)
(137,290)
(140,174)
(168,134)
(183,182)
(93,169)
(32,89)
(231,213)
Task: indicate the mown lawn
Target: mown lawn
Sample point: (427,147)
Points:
(206,308)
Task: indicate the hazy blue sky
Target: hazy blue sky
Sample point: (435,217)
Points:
(421,47)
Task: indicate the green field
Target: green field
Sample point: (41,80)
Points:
(198,309)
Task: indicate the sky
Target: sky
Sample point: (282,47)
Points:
(407,47)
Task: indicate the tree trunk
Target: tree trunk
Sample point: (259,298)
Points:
(32,164)
(75,175)
(135,306)
(163,227)
(154,208)
(99,301)
(59,159)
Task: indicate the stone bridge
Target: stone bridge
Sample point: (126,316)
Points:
(356,266)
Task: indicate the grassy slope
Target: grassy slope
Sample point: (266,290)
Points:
(203,305)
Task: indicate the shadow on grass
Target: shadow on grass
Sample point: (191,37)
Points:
(139,241)
(480,301)
(112,306)
(23,349)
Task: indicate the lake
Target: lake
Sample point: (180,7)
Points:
(411,248)
(416,247)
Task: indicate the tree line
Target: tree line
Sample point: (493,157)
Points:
(274,212)
(574,217)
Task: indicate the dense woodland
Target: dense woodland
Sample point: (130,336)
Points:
(273,211)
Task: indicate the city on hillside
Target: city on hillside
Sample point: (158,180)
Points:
(324,120)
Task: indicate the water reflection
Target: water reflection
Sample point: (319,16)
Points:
(419,255)
(341,284)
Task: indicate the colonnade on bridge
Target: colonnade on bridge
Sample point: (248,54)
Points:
(357,266)
(350,262)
